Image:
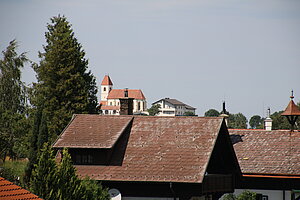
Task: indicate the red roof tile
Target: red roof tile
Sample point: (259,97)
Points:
(106,80)
(119,93)
(267,152)
(103,103)
(161,149)
(291,109)
(10,191)
(110,108)
(92,131)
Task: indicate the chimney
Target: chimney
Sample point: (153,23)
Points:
(268,121)
(126,104)
(126,92)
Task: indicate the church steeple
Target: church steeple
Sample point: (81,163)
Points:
(292,112)
(106,87)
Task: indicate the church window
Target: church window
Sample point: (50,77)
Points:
(104,89)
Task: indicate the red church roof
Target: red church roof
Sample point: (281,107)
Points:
(106,80)
(119,93)
(10,191)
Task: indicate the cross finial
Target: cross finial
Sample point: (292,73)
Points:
(292,96)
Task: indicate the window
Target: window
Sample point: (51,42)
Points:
(139,105)
(106,112)
(104,89)
(114,111)
(110,103)
(84,159)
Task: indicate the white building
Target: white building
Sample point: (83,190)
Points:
(173,107)
(110,98)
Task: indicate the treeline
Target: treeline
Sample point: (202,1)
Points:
(239,121)
(31,117)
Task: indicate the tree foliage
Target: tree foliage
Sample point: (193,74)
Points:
(51,180)
(256,122)
(279,122)
(44,179)
(13,121)
(212,113)
(64,86)
(245,195)
(237,121)
(189,113)
(154,110)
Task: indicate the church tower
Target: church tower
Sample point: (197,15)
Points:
(106,87)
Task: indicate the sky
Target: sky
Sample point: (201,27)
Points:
(201,52)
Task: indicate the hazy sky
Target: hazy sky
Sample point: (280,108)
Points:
(197,51)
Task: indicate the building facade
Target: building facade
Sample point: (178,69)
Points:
(110,98)
(173,107)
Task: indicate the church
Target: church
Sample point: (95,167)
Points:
(110,98)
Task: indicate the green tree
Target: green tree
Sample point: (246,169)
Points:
(64,86)
(256,122)
(33,145)
(13,121)
(189,113)
(154,110)
(70,187)
(279,122)
(245,195)
(44,179)
(43,135)
(51,180)
(93,190)
(211,113)
(237,121)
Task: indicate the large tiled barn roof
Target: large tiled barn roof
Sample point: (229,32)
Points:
(273,152)
(93,131)
(161,149)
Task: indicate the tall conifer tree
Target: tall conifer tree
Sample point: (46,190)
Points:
(64,87)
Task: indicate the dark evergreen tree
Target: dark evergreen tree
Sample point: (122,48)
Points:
(70,185)
(44,179)
(64,86)
(33,146)
(43,136)
(51,180)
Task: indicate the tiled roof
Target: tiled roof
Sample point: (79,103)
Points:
(291,109)
(103,103)
(10,191)
(274,152)
(110,108)
(119,93)
(106,80)
(175,102)
(161,149)
(93,131)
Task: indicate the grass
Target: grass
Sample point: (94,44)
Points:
(11,169)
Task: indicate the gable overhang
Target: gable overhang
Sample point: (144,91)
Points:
(223,164)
